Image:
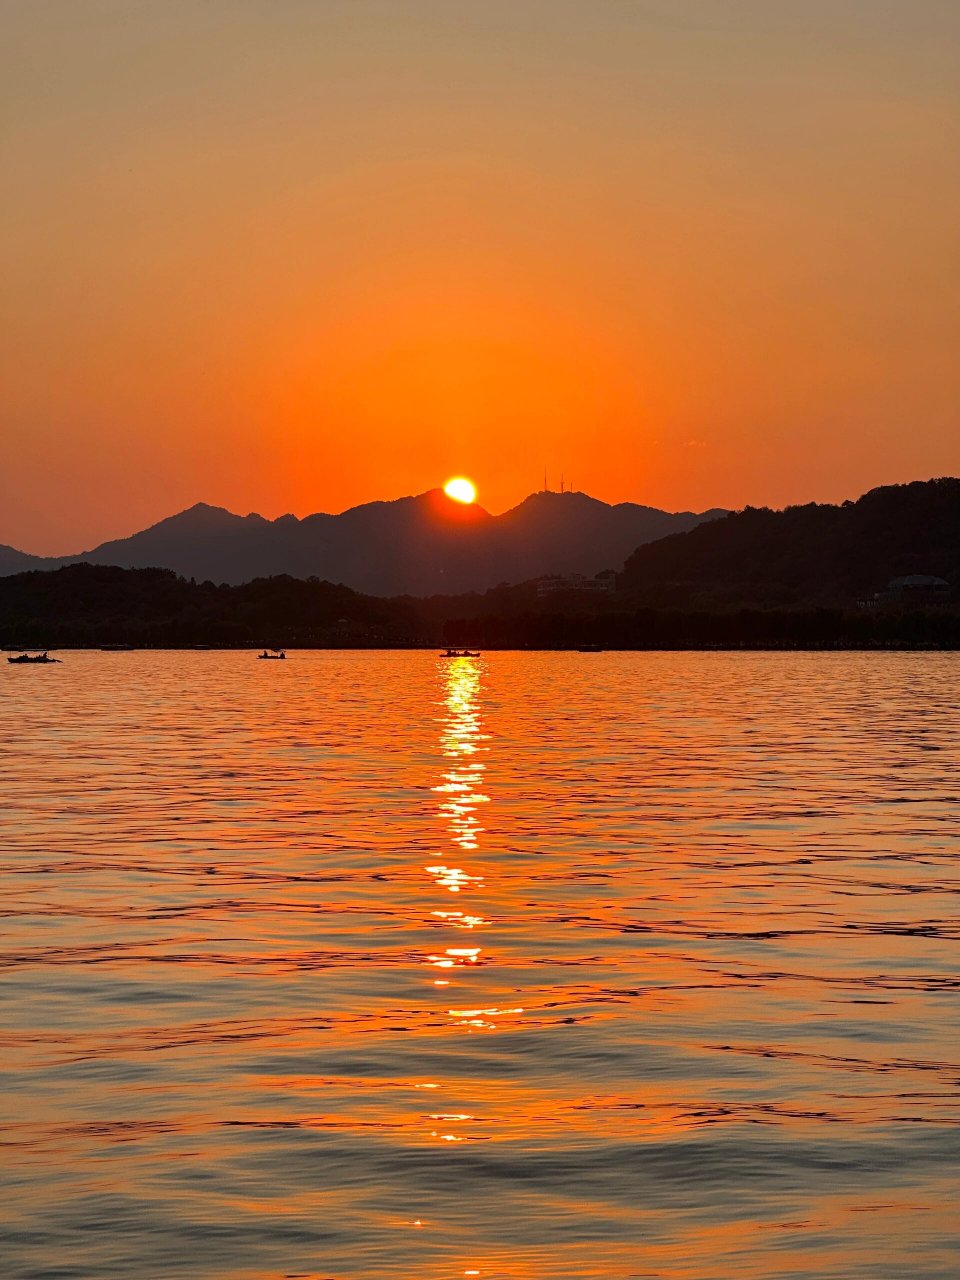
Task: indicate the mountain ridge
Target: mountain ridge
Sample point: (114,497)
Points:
(422,544)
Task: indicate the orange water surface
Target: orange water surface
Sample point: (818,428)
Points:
(379,966)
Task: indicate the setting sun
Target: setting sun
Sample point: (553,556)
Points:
(460,489)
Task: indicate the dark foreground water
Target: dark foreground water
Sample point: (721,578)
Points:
(385,967)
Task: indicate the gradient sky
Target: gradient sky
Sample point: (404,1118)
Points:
(291,255)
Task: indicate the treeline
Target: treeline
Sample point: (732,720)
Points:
(739,629)
(87,606)
(803,556)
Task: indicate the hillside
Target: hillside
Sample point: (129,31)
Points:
(91,605)
(807,555)
(87,606)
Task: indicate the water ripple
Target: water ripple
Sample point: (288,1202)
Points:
(379,967)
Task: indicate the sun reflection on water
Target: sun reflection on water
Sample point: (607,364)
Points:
(455,957)
(454,878)
(463,744)
(459,919)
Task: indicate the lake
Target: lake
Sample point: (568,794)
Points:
(381,966)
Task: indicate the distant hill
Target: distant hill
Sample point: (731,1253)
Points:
(422,545)
(14,561)
(804,556)
(91,605)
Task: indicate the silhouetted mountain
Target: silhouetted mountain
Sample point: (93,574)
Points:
(809,555)
(415,546)
(574,533)
(14,561)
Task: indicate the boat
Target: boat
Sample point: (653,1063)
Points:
(42,658)
(275,655)
(461,653)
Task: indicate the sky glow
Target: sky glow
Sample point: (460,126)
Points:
(294,257)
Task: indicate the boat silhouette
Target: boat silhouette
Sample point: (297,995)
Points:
(25,658)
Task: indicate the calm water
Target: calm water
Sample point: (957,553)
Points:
(376,966)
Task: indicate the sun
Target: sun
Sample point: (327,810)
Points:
(460,489)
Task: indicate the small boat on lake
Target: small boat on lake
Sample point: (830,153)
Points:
(461,653)
(275,655)
(25,658)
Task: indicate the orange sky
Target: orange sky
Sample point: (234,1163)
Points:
(299,255)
